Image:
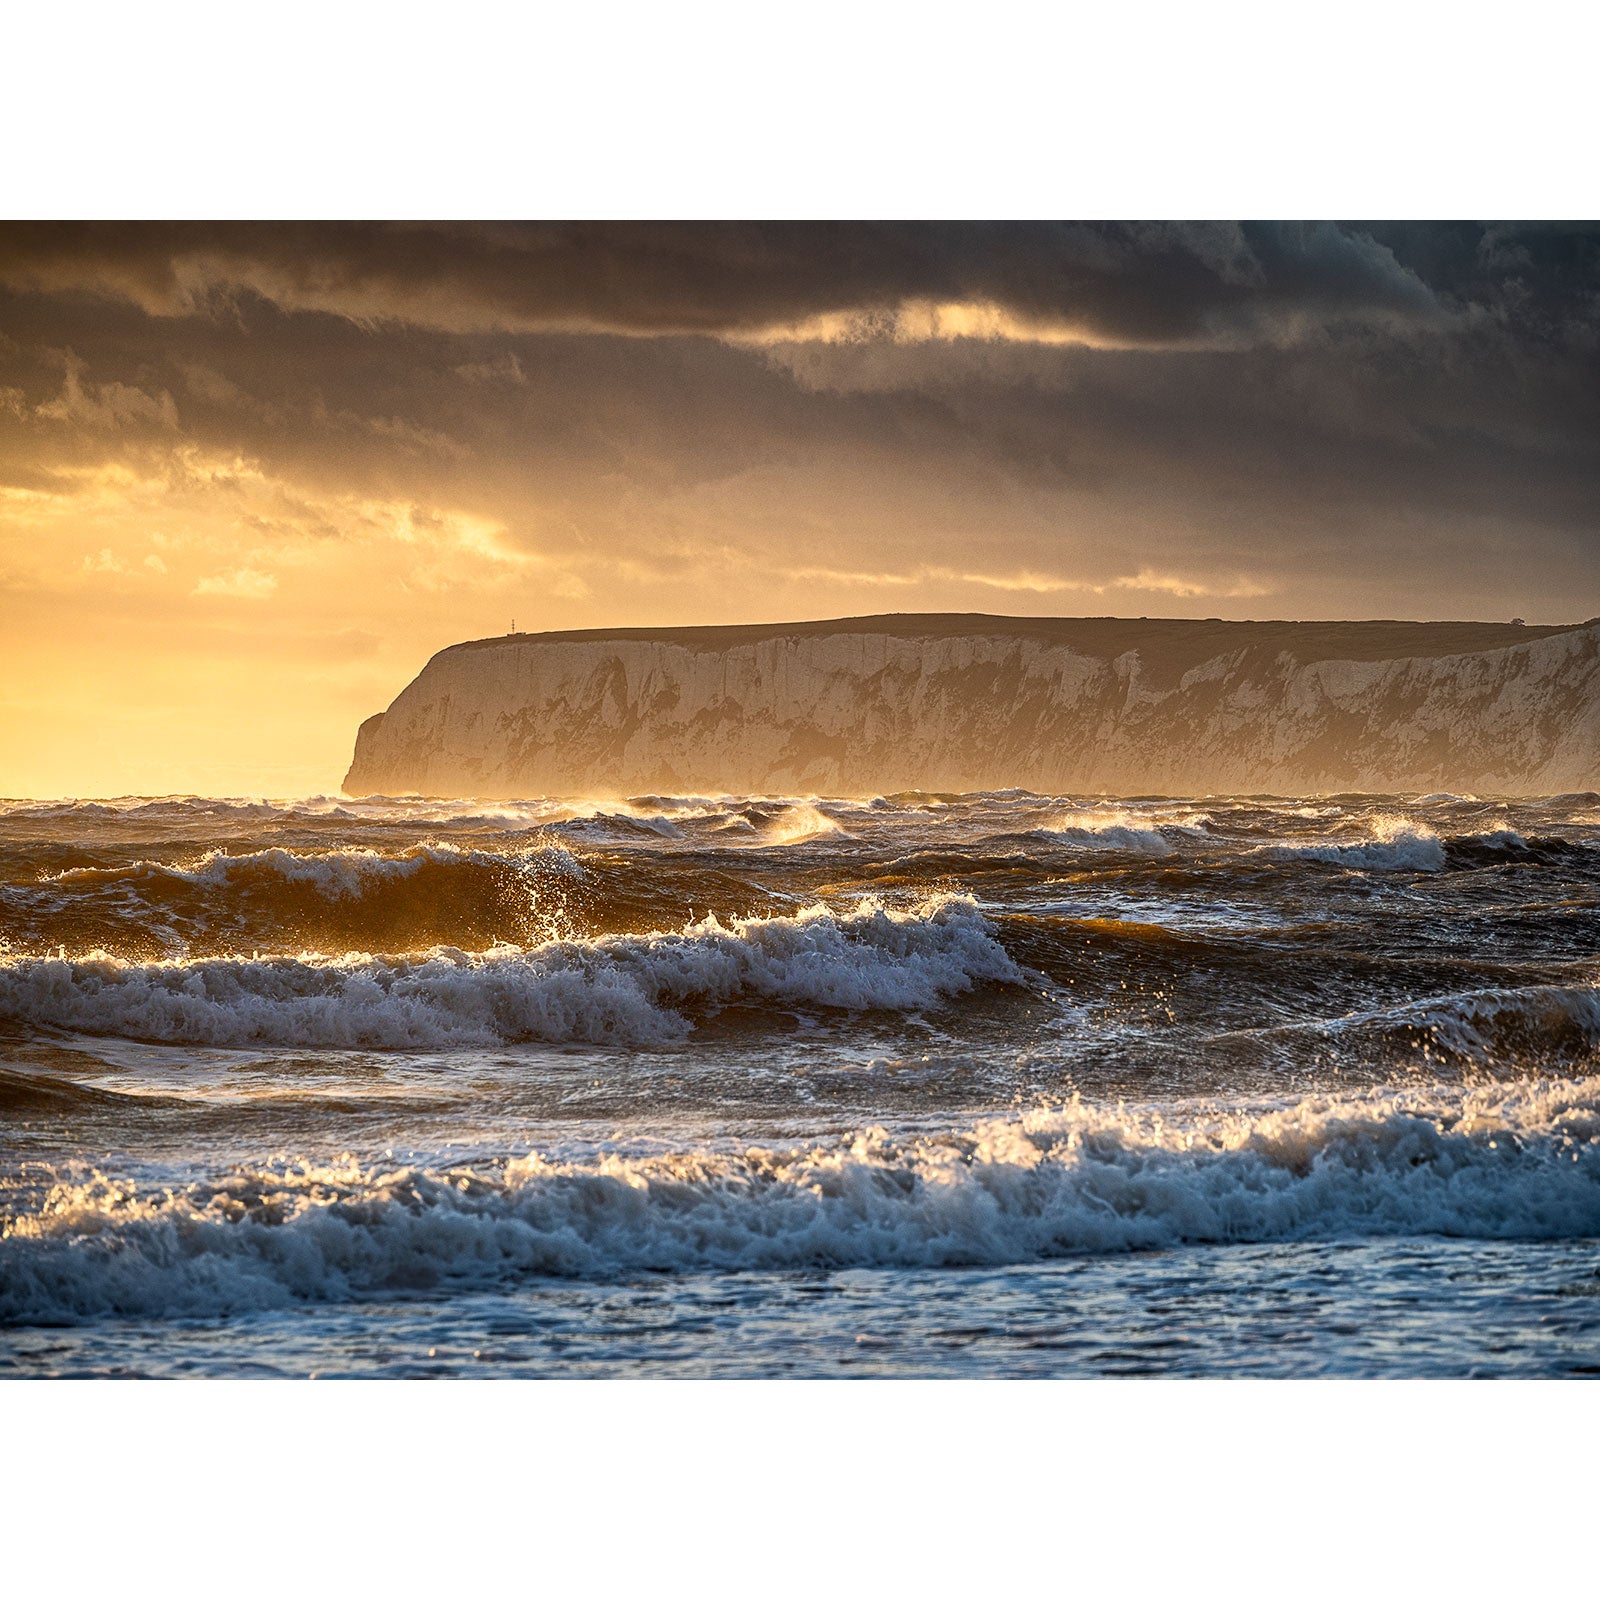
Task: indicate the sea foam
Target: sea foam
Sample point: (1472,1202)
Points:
(799,823)
(1519,1161)
(1388,843)
(1108,830)
(625,988)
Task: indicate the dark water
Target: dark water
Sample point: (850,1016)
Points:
(923,1085)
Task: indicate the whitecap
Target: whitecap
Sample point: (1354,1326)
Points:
(1518,1161)
(627,989)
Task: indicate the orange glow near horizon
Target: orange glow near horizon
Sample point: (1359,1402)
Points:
(252,477)
(210,628)
(194,623)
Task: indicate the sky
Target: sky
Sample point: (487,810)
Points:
(253,475)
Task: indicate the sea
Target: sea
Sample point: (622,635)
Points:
(915,1085)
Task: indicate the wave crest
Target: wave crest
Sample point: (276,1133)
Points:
(620,988)
(1517,1161)
(341,874)
(801,822)
(278,899)
(1109,830)
(1389,843)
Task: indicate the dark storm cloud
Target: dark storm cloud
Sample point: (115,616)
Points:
(1544,277)
(1377,418)
(1134,283)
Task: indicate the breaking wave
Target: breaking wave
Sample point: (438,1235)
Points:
(1489,1025)
(1109,830)
(1517,1161)
(347,898)
(335,874)
(1388,844)
(1540,1027)
(621,988)
(1399,844)
(798,823)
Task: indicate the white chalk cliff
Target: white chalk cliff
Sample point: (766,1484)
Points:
(877,705)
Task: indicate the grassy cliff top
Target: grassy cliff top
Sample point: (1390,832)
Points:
(1163,642)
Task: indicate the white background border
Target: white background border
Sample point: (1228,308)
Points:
(822,110)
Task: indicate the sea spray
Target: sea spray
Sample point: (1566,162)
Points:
(1518,1161)
(631,989)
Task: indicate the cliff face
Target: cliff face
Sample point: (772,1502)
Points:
(881,704)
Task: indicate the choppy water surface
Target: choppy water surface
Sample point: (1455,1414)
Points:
(923,1084)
